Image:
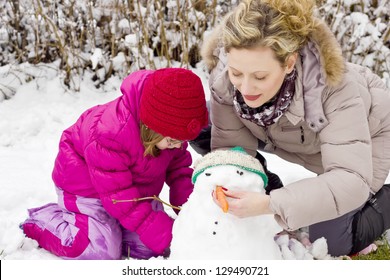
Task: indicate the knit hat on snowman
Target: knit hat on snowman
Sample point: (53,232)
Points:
(235,156)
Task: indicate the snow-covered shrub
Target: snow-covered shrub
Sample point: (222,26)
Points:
(363,30)
(108,37)
(116,37)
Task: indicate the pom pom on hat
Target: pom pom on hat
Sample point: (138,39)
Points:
(235,156)
(173,103)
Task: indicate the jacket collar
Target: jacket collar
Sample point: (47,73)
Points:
(309,86)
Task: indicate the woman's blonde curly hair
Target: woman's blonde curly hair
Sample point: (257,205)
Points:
(282,25)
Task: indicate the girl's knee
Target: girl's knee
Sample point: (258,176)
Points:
(105,241)
(133,247)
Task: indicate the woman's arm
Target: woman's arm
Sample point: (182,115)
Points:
(347,162)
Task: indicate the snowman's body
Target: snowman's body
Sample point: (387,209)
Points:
(203,231)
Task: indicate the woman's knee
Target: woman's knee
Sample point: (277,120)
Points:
(337,232)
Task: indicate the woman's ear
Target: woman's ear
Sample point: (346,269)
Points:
(290,62)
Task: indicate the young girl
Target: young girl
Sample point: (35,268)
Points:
(113,161)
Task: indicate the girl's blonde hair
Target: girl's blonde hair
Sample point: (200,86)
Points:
(149,139)
(282,25)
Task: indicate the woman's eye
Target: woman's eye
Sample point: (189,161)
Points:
(236,74)
(259,78)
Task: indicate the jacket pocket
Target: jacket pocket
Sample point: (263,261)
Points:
(295,129)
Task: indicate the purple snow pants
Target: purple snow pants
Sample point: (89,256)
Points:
(80,228)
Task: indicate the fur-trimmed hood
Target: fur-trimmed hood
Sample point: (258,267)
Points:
(330,53)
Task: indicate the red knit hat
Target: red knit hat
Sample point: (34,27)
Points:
(173,103)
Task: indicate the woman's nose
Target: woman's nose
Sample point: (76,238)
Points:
(246,87)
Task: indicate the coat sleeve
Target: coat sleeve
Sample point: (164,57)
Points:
(113,180)
(347,162)
(179,175)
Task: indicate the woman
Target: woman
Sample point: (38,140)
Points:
(278,80)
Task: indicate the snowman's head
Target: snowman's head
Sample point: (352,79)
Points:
(230,177)
(233,169)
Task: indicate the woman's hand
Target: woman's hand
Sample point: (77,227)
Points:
(246,204)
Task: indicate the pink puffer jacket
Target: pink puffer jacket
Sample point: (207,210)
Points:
(101,156)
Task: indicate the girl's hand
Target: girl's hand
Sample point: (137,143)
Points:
(246,204)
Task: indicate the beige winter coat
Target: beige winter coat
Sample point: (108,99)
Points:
(338,126)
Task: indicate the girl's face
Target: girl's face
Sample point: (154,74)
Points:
(169,143)
(257,74)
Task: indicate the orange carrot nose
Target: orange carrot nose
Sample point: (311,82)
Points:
(221,197)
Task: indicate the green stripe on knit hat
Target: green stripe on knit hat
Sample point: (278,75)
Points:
(235,156)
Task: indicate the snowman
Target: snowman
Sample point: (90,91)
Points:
(203,230)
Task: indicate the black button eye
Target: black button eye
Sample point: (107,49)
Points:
(240,172)
(207,174)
